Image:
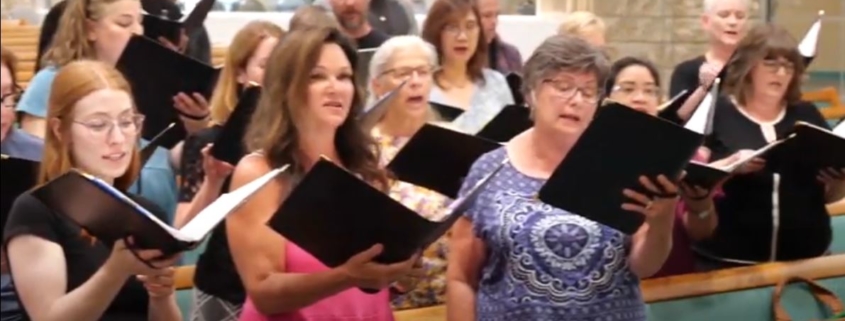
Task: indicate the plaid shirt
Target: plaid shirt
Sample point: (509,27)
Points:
(504,57)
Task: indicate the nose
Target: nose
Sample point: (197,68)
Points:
(116,136)
(137,28)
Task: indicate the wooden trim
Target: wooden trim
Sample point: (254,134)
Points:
(435,313)
(836,209)
(184,278)
(736,279)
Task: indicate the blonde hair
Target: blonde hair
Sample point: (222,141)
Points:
(73,82)
(312,16)
(580,22)
(71,40)
(242,48)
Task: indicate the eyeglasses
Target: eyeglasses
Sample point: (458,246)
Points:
(10,100)
(566,90)
(407,72)
(773,66)
(128,125)
(454,30)
(631,91)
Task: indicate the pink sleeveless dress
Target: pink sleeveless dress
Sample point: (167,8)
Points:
(349,305)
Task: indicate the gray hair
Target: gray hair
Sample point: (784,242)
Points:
(378,64)
(710,5)
(564,53)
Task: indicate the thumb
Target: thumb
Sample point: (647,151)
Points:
(369,254)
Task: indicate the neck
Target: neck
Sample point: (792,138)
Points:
(398,125)
(362,31)
(719,52)
(550,149)
(455,73)
(316,143)
(763,107)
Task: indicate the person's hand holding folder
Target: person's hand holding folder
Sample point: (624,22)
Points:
(751,166)
(193,111)
(126,261)
(160,285)
(177,47)
(216,171)
(658,208)
(365,273)
(834,182)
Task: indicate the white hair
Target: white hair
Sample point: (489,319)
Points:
(382,56)
(710,5)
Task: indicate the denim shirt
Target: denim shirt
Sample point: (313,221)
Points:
(20,144)
(157,181)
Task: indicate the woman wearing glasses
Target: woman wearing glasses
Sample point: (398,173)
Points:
(514,258)
(452,26)
(636,83)
(58,272)
(770,212)
(14,142)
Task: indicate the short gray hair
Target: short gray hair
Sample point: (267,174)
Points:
(564,53)
(378,64)
(710,5)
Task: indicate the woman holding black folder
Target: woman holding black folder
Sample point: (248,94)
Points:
(411,59)
(219,294)
(59,272)
(515,258)
(305,113)
(771,211)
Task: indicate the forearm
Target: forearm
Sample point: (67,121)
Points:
(207,194)
(164,309)
(288,292)
(834,192)
(35,126)
(90,300)
(460,301)
(650,248)
(699,228)
(689,106)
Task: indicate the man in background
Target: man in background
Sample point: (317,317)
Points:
(502,56)
(392,17)
(352,16)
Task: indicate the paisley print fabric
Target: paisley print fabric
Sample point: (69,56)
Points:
(545,263)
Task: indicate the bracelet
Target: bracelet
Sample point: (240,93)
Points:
(196,118)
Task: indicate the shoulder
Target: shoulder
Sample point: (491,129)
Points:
(809,112)
(690,65)
(28,215)
(37,94)
(487,162)
(250,167)
(23,145)
(491,75)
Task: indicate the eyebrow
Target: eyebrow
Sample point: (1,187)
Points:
(103,113)
(632,82)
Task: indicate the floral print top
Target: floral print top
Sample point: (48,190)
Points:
(431,289)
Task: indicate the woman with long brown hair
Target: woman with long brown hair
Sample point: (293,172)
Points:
(58,272)
(770,212)
(306,111)
(218,293)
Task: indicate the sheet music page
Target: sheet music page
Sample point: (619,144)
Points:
(839,130)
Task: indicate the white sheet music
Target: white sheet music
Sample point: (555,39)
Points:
(839,130)
(700,119)
(808,45)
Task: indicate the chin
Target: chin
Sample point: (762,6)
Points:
(333,121)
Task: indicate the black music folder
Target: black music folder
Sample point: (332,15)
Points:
(509,122)
(155,27)
(708,175)
(109,215)
(669,110)
(147,151)
(438,158)
(618,147)
(333,215)
(156,75)
(229,146)
(447,113)
(371,115)
(515,84)
(197,17)
(19,176)
(809,146)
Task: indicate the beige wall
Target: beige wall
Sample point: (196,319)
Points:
(798,15)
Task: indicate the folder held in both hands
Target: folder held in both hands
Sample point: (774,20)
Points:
(620,145)
(110,215)
(228,146)
(333,215)
(509,122)
(19,176)
(438,158)
(708,175)
(811,146)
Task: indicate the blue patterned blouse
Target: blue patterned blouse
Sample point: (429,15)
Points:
(544,263)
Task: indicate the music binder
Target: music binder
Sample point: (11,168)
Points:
(810,146)
(708,175)
(509,122)
(197,17)
(228,146)
(514,81)
(155,84)
(447,113)
(19,176)
(147,151)
(333,215)
(620,145)
(110,215)
(669,110)
(155,27)
(371,115)
(438,158)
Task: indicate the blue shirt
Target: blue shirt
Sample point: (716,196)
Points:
(487,101)
(157,181)
(20,144)
(544,263)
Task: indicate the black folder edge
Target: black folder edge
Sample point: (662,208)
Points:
(418,141)
(169,29)
(249,95)
(196,18)
(148,150)
(370,116)
(669,109)
(514,81)
(703,175)
(447,113)
(502,119)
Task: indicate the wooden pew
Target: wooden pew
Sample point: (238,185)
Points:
(835,109)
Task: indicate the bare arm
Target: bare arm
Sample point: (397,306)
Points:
(207,194)
(164,309)
(688,108)
(651,246)
(35,126)
(39,274)
(700,228)
(466,254)
(258,251)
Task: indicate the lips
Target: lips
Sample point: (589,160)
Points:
(115,156)
(461,49)
(570,117)
(333,104)
(415,99)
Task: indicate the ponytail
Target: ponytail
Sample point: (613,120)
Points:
(71,40)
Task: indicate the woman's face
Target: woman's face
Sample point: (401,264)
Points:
(413,65)
(459,39)
(103,133)
(7,91)
(771,77)
(635,87)
(332,88)
(112,32)
(254,70)
(726,22)
(565,102)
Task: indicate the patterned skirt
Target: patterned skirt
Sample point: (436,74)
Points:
(210,308)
